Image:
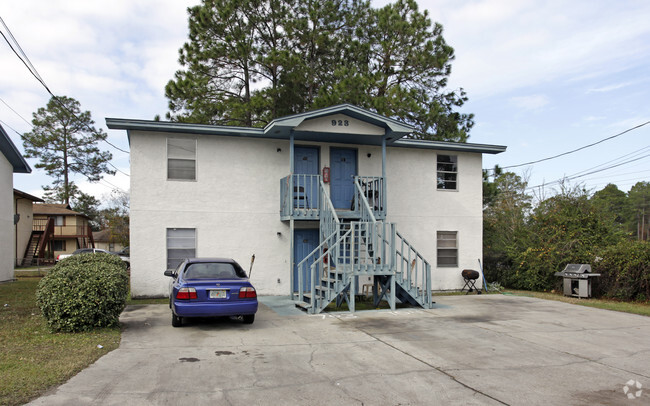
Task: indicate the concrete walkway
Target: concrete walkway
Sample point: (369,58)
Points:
(470,350)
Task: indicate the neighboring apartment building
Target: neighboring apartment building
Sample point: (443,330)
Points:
(24,212)
(104,240)
(57,230)
(337,188)
(11,161)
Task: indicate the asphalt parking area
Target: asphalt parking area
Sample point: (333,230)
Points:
(469,350)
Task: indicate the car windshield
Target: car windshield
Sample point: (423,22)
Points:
(83,251)
(213,270)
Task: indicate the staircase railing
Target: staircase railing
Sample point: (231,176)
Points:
(45,237)
(413,271)
(329,221)
(369,247)
(373,189)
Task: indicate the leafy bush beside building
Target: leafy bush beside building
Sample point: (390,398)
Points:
(84,292)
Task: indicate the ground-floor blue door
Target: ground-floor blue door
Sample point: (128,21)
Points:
(343,163)
(304,242)
(305,162)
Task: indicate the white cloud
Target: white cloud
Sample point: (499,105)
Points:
(609,88)
(531,102)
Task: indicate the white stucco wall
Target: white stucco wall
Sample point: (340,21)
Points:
(7,240)
(234,206)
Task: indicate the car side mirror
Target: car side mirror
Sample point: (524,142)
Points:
(170,273)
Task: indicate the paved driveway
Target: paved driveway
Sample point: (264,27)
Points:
(469,350)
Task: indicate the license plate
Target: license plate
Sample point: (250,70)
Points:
(218,294)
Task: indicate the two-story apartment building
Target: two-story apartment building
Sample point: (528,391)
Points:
(56,230)
(330,202)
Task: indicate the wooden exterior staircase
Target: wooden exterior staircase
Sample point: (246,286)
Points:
(362,246)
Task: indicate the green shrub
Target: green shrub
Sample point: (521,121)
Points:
(84,292)
(625,271)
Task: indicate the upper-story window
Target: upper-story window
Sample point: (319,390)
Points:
(181,159)
(447,172)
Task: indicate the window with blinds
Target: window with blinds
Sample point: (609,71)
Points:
(181,159)
(181,244)
(447,248)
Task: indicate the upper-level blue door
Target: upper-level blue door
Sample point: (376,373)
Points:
(305,191)
(343,164)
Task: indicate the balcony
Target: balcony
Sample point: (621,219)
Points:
(71,231)
(300,197)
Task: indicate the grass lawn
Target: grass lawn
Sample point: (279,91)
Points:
(32,359)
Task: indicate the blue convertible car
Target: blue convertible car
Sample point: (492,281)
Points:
(211,287)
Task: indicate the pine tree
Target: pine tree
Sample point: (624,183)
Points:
(65,143)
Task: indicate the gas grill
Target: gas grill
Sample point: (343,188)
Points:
(577,280)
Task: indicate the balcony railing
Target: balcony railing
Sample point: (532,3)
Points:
(61,231)
(300,197)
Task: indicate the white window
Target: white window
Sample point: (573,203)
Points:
(181,159)
(181,244)
(447,248)
(447,172)
(59,221)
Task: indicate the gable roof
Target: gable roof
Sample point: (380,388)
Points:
(51,209)
(12,154)
(378,129)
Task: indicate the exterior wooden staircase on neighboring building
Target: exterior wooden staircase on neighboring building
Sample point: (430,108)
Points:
(357,248)
(38,243)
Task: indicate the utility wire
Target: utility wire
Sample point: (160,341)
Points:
(575,150)
(10,127)
(117,169)
(10,108)
(573,177)
(34,72)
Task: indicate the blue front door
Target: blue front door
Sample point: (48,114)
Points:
(304,242)
(343,169)
(305,191)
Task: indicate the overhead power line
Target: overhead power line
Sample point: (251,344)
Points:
(574,150)
(30,67)
(18,114)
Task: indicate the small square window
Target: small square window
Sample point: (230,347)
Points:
(447,172)
(58,245)
(447,249)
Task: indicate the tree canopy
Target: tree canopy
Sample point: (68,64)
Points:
(64,140)
(250,61)
(526,243)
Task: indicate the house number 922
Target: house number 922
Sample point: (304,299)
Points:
(341,123)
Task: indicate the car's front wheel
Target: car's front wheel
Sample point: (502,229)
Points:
(176,321)
(249,318)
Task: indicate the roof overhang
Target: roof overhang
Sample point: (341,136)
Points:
(27,196)
(345,124)
(12,154)
(451,146)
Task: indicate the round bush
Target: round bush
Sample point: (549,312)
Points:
(84,292)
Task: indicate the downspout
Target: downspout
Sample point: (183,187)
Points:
(291,221)
(383,174)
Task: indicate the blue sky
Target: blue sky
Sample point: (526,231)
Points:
(543,77)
